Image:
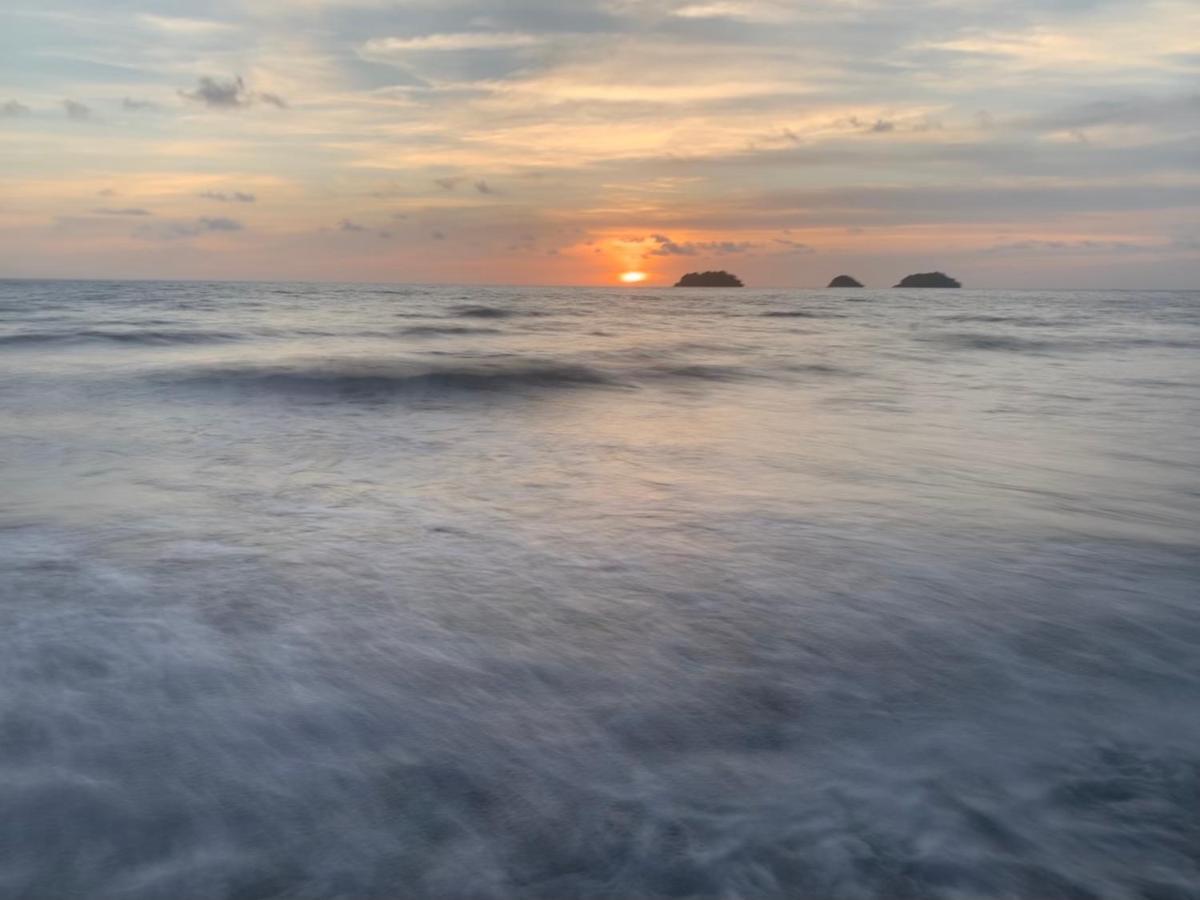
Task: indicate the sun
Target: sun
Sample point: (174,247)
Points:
(633,277)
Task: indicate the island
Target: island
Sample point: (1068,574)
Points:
(845,281)
(709,279)
(929,280)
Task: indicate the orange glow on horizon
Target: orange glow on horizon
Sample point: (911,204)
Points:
(633,277)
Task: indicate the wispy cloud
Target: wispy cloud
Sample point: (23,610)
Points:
(179,229)
(230,197)
(1065,247)
(183,26)
(667,247)
(465,40)
(761,11)
(12,109)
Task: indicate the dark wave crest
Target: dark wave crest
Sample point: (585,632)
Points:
(446,330)
(382,381)
(1022,321)
(145,338)
(700,371)
(994,342)
(799,314)
(484,312)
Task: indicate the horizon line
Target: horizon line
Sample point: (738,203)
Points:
(614,287)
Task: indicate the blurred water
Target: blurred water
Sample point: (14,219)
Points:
(316,591)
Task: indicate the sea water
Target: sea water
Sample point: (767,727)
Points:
(343,591)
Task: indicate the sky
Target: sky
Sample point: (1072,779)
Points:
(1011,143)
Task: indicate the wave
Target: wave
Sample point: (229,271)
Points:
(418,380)
(1003,342)
(1167,343)
(816,369)
(381,381)
(719,372)
(446,330)
(1023,321)
(484,312)
(474,311)
(998,342)
(798,314)
(145,338)
(700,371)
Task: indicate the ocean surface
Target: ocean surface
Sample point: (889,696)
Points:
(338,591)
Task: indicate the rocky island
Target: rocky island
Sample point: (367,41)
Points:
(845,281)
(709,279)
(929,280)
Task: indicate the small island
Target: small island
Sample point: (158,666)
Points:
(709,279)
(929,280)
(845,281)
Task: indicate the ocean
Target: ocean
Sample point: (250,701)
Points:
(346,591)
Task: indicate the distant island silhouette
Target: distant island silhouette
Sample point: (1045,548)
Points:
(845,281)
(929,280)
(709,279)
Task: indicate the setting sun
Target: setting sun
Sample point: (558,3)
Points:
(633,277)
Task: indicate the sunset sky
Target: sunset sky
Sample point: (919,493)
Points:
(1013,143)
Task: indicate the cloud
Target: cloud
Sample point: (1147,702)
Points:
(464,40)
(1158,112)
(1065,247)
(191,228)
(347,225)
(179,26)
(137,105)
(668,247)
(758,11)
(483,188)
(879,126)
(220,224)
(449,184)
(232,94)
(77,111)
(438,235)
(222,197)
(219,94)
(132,211)
(12,109)
(795,246)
